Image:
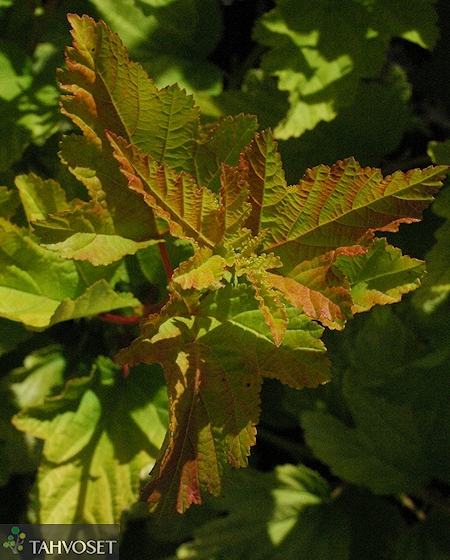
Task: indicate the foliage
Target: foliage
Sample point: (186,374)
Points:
(157,285)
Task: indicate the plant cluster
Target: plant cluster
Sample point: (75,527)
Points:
(158,285)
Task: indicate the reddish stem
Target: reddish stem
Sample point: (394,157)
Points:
(165,259)
(113,318)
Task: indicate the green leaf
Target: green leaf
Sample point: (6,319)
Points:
(320,75)
(15,67)
(414,21)
(40,198)
(352,455)
(98,298)
(233,198)
(380,276)
(97,248)
(322,52)
(369,129)
(269,299)
(219,145)
(259,95)
(275,501)
(15,137)
(173,39)
(172,135)
(39,289)
(436,285)
(98,434)
(321,205)
(439,152)
(125,95)
(9,201)
(114,210)
(293,516)
(42,371)
(394,412)
(203,270)
(28,96)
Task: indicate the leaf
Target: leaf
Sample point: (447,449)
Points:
(40,198)
(98,298)
(289,509)
(330,217)
(352,456)
(318,290)
(97,248)
(380,276)
(15,137)
(15,67)
(98,434)
(99,64)
(270,303)
(192,212)
(213,411)
(322,53)
(436,285)
(220,144)
(275,502)
(417,23)
(28,96)
(42,372)
(95,105)
(109,92)
(369,129)
(9,201)
(330,214)
(259,95)
(203,270)
(214,362)
(319,76)
(173,39)
(337,206)
(384,370)
(233,199)
(29,385)
(37,298)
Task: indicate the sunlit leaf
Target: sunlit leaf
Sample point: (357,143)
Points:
(174,39)
(192,212)
(39,289)
(40,198)
(214,363)
(331,213)
(102,425)
(380,276)
(289,508)
(320,53)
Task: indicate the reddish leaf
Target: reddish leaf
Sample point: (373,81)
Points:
(214,361)
(330,212)
(192,212)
